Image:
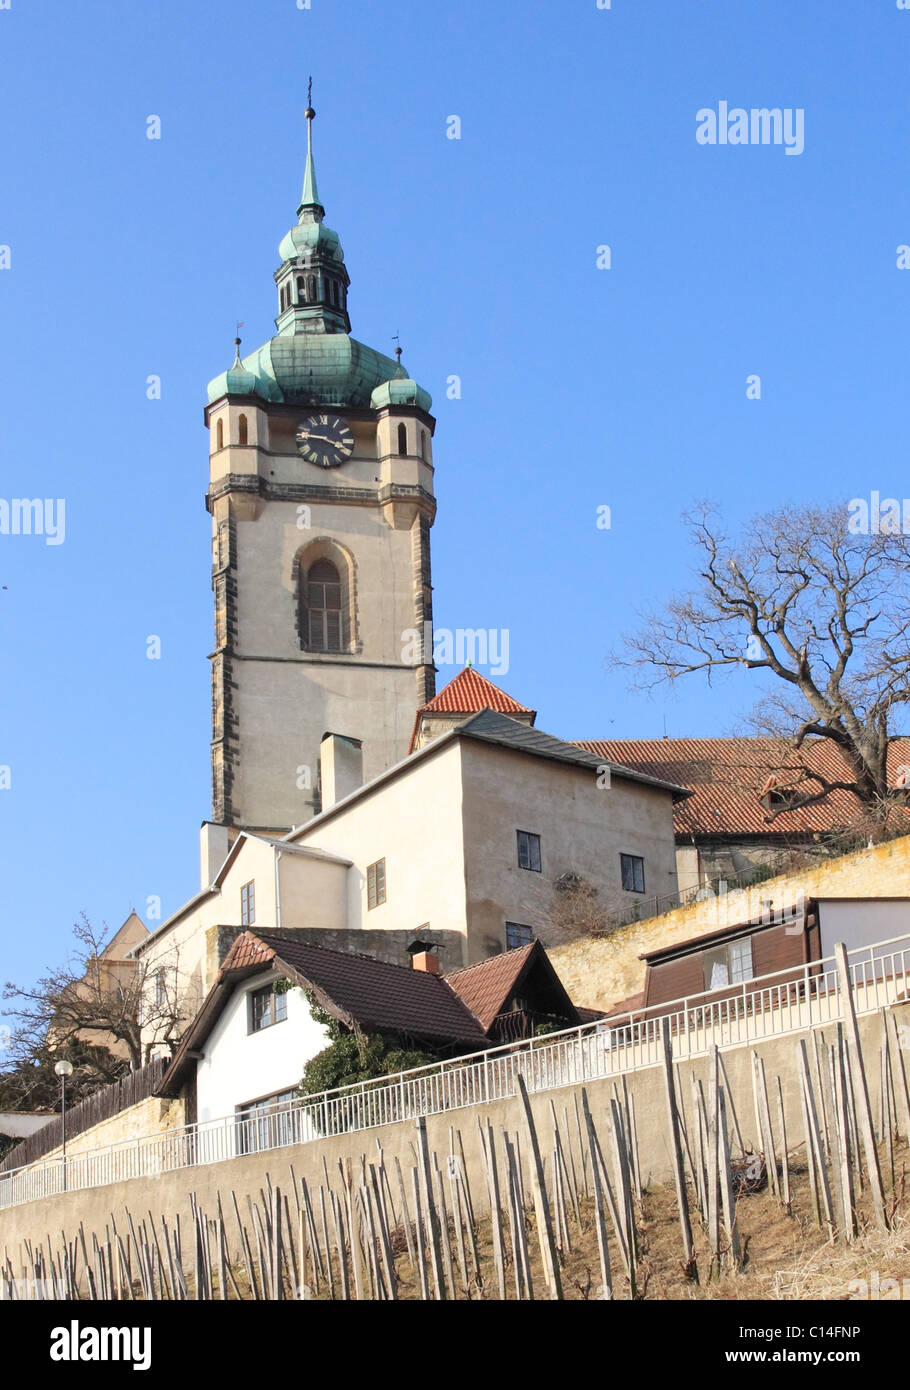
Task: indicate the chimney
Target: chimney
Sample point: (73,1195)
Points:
(214,846)
(341,767)
(427,961)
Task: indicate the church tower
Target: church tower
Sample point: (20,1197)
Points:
(321,497)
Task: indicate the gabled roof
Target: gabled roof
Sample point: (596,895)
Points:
(490,727)
(486,986)
(727,777)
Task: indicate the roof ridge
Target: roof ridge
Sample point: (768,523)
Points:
(477,964)
(333,951)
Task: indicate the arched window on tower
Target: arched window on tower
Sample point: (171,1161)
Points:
(311,289)
(219,435)
(301,290)
(321,595)
(242,429)
(402,439)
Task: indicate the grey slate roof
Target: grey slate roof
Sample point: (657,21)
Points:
(490,727)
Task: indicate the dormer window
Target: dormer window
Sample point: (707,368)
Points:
(780,798)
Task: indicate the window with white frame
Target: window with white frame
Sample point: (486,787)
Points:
(729,964)
(248,904)
(268,1123)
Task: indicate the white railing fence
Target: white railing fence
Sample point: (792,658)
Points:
(776,1004)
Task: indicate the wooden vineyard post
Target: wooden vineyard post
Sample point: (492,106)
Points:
(676,1154)
(860,1087)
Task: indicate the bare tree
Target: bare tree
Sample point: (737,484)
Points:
(823,609)
(104,1014)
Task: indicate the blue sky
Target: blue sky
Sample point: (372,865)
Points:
(581,387)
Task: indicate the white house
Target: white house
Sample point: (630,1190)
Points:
(244,1055)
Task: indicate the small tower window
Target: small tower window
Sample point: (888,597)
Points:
(311,289)
(301,289)
(243,432)
(219,435)
(402,439)
(323,604)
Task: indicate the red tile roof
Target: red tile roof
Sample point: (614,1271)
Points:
(471,692)
(728,776)
(486,986)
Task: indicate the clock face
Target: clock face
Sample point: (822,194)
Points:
(325,440)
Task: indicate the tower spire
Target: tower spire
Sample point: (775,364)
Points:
(309,199)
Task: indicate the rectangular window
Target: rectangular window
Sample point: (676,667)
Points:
(375,884)
(740,960)
(518,935)
(160,989)
(248,904)
(728,965)
(529,851)
(266,1008)
(633,873)
(269,1123)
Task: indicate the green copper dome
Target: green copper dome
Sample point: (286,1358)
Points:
(401,390)
(312,359)
(309,369)
(309,237)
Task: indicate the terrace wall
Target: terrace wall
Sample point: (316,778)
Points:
(598,972)
(169,1194)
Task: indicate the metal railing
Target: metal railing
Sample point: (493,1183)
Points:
(786,1001)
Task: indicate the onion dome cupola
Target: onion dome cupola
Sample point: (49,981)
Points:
(312,279)
(400,390)
(237,380)
(312,360)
